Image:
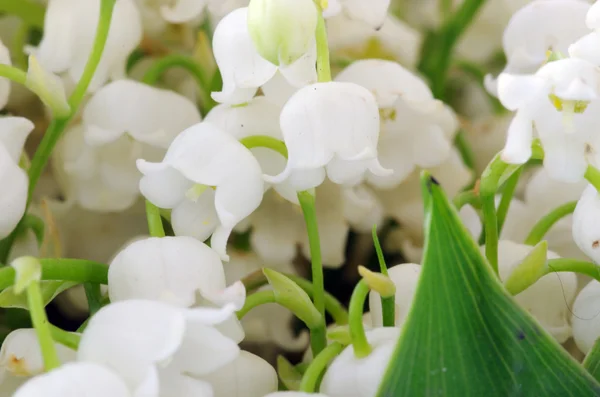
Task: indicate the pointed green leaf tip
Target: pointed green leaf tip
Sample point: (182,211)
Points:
(465,336)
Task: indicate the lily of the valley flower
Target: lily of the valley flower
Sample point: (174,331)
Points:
(330,126)
(348,376)
(585,319)
(244,70)
(417,130)
(209,179)
(151,343)
(549,299)
(558,23)
(586,233)
(125,120)
(74,380)
(586,47)
(405,278)
(373,13)
(69,31)
(21,358)
(559,103)
(13,133)
(137,272)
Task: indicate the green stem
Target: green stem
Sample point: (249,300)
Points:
(323,64)
(465,150)
(76,270)
(40,322)
(36,224)
(314,373)
(265,141)
(94,297)
(254,300)
(307,202)
(65,338)
(338,312)
(436,55)
(361,345)
(467,197)
(30,12)
(388,304)
(507,196)
(158,68)
(574,266)
(543,225)
(155,225)
(13,73)
(592,174)
(18,44)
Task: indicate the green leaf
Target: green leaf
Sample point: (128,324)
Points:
(50,289)
(592,361)
(288,374)
(465,336)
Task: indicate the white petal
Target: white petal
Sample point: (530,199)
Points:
(183,10)
(169,269)
(164,186)
(242,68)
(204,350)
(257,117)
(198,220)
(254,377)
(14,198)
(405,278)
(516,91)
(278,90)
(303,71)
(150,115)
(173,383)
(75,380)
(372,12)
(131,336)
(585,223)
(585,319)
(13,133)
(361,208)
(564,157)
(519,139)
(592,19)
(587,48)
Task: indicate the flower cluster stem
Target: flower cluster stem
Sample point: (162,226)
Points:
(65,338)
(592,174)
(360,344)
(314,373)
(388,304)
(542,227)
(155,225)
(40,322)
(323,64)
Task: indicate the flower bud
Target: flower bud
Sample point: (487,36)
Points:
(282,30)
(27,270)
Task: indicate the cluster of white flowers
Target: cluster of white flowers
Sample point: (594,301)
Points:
(229,148)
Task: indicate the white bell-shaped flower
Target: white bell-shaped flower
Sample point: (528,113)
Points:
(349,376)
(585,47)
(243,69)
(585,223)
(373,13)
(558,23)
(209,179)
(332,126)
(417,130)
(69,32)
(75,380)
(405,278)
(21,358)
(13,133)
(585,319)
(282,30)
(137,272)
(246,376)
(549,299)
(4,82)
(176,344)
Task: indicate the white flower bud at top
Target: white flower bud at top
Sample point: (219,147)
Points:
(282,30)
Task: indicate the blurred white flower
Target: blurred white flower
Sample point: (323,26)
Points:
(21,358)
(585,319)
(330,126)
(209,179)
(246,376)
(348,376)
(416,129)
(75,380)
(243,69)
(150,343)
(405,278)
(585,223)
(549,299)
(13,133)
(124,120)
(372,13)
(69,32)
(586,47)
